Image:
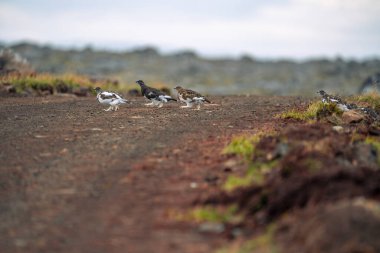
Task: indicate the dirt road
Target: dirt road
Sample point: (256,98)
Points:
(74,178)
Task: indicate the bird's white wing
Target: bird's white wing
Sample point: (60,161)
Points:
(107,93)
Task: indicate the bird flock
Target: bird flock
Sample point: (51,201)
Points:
(155,96)
(191,98)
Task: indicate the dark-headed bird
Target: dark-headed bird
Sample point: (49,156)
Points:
(156,97)
(109,98)
(326,98)
(342,105)
(190,97)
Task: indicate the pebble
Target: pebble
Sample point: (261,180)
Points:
(211,227)
(339,129)
(193,185)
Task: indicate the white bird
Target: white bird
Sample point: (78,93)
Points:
(109,98)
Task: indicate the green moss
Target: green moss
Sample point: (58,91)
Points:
(255,175)
(234,182)
(313,165)
(314,111)
(372,99)
(212,214)
(264,243)
(241,145)
(376,144)
(49,81)
(244,145)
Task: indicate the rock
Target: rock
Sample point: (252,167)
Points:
(365,155)
(193,185)
(211,227)
(81,91)
(312,230)
(230,164)
(211,178)
(10,88)
(280,151)
(61,87)
(352,117)
(338,129)
(134,93)
(373,130)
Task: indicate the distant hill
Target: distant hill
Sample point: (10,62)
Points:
(216,76)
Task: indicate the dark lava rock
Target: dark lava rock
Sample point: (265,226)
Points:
(344,227)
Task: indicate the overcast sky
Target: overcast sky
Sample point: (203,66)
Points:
(272,28)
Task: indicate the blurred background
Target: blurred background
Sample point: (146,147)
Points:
(282,47)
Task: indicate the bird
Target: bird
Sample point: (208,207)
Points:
(190,97)
(326,98)
(156,97)
(342,105)
(110,98)
(371,112)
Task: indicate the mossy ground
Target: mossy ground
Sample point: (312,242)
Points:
(314,111)
(376,144)
(50,81)
(254,175)
(263,243)
(371,99)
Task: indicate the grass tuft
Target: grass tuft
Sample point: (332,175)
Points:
(208,213)
(315,110)
(243,145)
(49,81)
(255,175)
(212,214)
(372,99)
(264,243)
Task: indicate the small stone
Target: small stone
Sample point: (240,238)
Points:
(230,163)
(193,185)
(63,151)
(352,116)
(280,151)
(46,154)
(338,129)
(211,227)
(66,191)
(10,89)
(20,243)
(176,151)
(236,232)
(40,136)
(211,178)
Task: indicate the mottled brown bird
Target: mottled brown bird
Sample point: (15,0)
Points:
(190,97)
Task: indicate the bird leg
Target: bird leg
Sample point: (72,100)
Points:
(198,107)
(116,108)
(150,104)
(109,108)
(160,104)
(188,105)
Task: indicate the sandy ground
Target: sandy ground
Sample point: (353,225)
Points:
(74,178)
